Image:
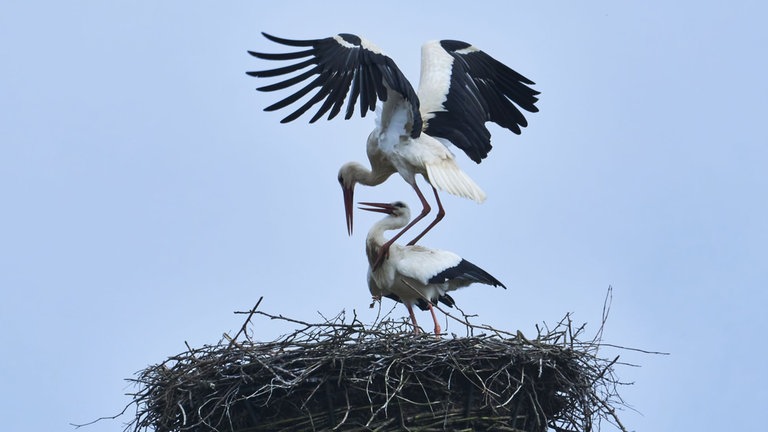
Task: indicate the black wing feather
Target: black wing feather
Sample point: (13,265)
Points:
(282,70)
(289,82)
(353,96)
(344,69)
(467,271)
(482,89)
(281,56)
(337,90)
(423,305)
(325,89)
(291,42)
(294,97)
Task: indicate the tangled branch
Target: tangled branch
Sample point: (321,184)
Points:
(341,374)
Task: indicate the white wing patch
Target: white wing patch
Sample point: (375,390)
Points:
(446,175)
(344,43)
(364,43)
(370,46)
(393,120)
(435,79)
(468,50)
(422,264)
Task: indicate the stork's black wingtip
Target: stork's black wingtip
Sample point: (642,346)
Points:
(273,38)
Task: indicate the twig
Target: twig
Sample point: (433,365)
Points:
(247,320)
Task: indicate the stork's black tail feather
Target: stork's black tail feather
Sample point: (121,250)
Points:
(467,271)
(422,303)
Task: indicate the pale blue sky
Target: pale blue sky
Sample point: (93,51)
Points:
(146,195)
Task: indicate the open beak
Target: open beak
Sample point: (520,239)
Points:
(378,207)
(348,206)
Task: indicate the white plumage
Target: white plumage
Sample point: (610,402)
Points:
(413,274)
(461,88)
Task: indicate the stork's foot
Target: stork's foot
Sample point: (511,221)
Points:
(434,319)
(376,299)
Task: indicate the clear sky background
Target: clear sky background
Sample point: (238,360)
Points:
(146,195)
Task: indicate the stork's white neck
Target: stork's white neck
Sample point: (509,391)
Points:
(376,239)
(355,172)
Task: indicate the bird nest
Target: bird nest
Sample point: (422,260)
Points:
(343,375)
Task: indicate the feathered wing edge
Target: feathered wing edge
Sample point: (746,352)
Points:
(446,176)
(466,271)
(462,88)
(344,66)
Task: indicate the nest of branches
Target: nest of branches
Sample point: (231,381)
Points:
(343,375)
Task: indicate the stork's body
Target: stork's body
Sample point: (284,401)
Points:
(413,274)
(461,88)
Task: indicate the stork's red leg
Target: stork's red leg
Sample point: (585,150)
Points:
(384,249)
(413,318)
(438,218)
(434,317)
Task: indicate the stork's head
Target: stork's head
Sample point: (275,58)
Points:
(352,173)
(397,209)
(347,181)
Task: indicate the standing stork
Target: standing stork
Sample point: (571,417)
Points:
(413,274)
(461,88)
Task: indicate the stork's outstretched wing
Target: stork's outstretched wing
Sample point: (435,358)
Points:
(462,88)
(343,66)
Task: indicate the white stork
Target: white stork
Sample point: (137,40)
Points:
(415,274)
(461,88)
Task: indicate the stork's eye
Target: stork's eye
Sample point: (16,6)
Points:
(399,204)
(341,180)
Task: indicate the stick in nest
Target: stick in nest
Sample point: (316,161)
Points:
(371,376)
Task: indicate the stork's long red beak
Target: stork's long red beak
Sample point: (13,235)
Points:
(378,207)
(349,194)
